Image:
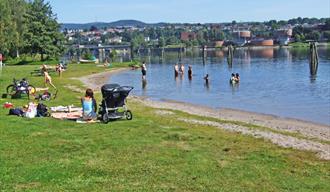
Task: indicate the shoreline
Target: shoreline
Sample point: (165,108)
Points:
(316,136)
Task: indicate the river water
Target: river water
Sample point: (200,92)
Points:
(273,81)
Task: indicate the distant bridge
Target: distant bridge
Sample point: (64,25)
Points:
(95,47)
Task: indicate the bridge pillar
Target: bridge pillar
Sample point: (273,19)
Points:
(101,55)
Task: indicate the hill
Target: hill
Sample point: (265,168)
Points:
(120,23)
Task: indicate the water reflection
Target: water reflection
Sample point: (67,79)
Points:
(144,85)
(234,87)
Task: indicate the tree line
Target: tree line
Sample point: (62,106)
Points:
(29,28)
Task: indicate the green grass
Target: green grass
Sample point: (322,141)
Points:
(299,44)
(149,153)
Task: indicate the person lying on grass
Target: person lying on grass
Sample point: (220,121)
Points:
(89,106)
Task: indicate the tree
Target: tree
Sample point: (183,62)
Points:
(93,28)
(326,34)
(113,55)
(314,35)
(327,24)
(12,26)
(161,42)
(42,36)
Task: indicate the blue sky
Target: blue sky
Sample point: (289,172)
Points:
(191,11)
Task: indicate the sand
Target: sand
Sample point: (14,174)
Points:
(302,135)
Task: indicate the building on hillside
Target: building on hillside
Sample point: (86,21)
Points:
(218,43)
(262,42)
(187,36)
(115,40)
(283,36)
(242,37)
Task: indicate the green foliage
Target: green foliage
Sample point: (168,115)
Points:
(326,35)
(29,27)
(43,34)
(87,55)
(113,54)
(314,35)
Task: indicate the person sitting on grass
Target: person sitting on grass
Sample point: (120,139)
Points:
(89,106)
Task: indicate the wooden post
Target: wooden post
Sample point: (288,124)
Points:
(314,59)
(132,52)
(180,54)
(162,52)
(204,51)
(230,56)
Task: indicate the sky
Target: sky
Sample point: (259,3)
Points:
(187,11)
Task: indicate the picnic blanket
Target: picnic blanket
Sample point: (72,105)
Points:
(68,116)
(70,108)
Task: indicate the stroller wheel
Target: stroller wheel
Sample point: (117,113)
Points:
(129,115)
(105,118)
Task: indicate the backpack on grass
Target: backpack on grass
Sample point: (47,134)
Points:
(16,111)
(42,110)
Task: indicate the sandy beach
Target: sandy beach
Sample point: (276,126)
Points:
(285,132)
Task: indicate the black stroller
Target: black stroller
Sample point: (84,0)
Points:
(113,104)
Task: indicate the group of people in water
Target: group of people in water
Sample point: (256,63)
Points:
(234,78)
(179,70)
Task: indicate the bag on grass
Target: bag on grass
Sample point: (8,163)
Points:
(42,110)
(16,111)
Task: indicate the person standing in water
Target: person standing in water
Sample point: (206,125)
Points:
(189,72)
(182,69)
(237,78)
(144,70)
(206,78)
(176,70)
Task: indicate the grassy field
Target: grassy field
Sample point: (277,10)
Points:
(149,153)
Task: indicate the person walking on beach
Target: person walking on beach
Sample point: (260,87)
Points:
(144,71)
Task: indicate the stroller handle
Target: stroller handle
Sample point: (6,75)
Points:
(128,88)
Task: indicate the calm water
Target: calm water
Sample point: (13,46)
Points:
(273,81)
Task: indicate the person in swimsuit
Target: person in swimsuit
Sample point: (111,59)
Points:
(176,70)
(144,70)
(190,72)
(89,106)
(237,78)
(182,69)
(47,78)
